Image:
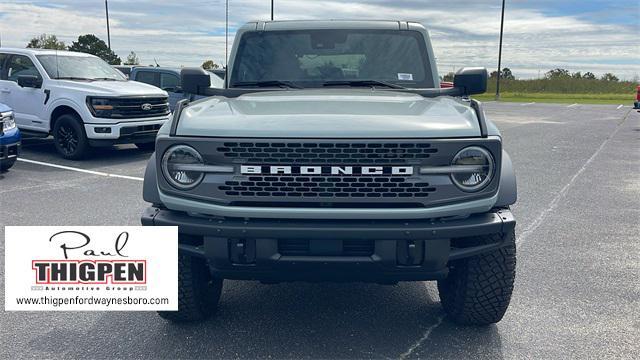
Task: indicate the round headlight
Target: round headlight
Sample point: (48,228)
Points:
(475,168)
(177,165)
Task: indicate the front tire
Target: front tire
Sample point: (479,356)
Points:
(7,164)
(478,289)
(198,291)
(70,138)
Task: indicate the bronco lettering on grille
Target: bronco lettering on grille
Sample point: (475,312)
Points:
(325,170)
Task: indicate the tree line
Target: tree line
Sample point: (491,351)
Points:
(554,74)
(93,45)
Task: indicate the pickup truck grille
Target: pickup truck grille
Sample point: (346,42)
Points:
(136,108)
(327,187)
(327,152)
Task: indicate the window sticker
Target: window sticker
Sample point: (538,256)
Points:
(405,76)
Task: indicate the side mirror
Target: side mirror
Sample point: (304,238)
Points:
(471,80)
(195,80)
(29,81)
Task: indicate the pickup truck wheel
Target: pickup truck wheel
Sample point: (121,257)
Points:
(148,146)
(70,138)
(198,291)
(478,289)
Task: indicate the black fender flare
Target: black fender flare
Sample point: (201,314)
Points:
(150,185)
(508,191)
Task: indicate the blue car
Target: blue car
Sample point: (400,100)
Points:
(168,79)
(9,138)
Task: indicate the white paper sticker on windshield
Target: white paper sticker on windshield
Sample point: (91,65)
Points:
(404,76)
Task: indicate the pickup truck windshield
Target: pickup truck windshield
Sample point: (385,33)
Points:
(78,68)
(320,58)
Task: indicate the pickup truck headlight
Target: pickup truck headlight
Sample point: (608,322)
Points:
(178,164)
(100,107)
(8,122)
(474,168)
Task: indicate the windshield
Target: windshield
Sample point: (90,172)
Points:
(78,68)
(317,58)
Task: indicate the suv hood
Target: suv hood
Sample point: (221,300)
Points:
(329,113)
(111,88)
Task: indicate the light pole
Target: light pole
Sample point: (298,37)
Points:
(271,10)
(500,54)
(106,9)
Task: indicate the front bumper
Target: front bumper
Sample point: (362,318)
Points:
(124,132)
(9,145)
(253,249)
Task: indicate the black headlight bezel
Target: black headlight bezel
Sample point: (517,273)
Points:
(490,173)
(166,172)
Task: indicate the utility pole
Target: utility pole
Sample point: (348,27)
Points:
(500,54)
(106,9)
(271,10)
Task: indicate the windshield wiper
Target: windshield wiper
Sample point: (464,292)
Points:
(106,78)
(367,83)
(73,78)
(267,83)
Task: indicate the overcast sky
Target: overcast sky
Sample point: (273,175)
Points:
(580,35)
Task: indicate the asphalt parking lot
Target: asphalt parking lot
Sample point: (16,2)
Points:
(577,289)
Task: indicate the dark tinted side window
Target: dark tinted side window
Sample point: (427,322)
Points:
(148,77)
(21,65)
(169,82)
(3,59)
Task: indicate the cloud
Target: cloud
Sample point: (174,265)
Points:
(464,33)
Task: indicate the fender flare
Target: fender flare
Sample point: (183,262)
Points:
(508,191)
(150,185)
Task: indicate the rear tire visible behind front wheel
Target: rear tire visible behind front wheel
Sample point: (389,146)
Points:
(478,289)
(198,291)
(70,138)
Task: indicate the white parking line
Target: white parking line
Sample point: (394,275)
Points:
(531,103)
(619,107)
(572,105)
(99,173)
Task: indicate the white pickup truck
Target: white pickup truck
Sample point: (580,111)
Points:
(80,100)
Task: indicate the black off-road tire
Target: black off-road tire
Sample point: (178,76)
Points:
(478,289)
(147,146)
(70,138)
(198,291)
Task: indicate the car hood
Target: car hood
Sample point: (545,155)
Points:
(329,113)
(112,88)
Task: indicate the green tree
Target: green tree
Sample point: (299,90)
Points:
(132,59)
(506,74)
(609,77)
(46,41)
(448,76)
(577,75)
(589,76)
(91,44)
(558,74)
(210,65)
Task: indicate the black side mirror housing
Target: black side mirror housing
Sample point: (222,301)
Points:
(29,81)
(471,80)
(195,80)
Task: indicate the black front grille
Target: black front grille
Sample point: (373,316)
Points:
(135,107)
(327,187)
(140,130)
(303,247)
(326,152)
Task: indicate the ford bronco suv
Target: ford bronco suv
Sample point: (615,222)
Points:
(332,154)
